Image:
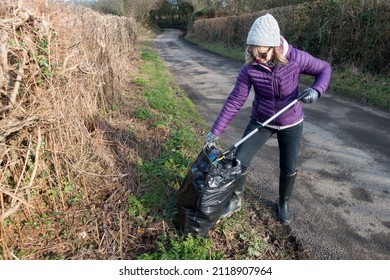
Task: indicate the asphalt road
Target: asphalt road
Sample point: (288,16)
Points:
(341,202)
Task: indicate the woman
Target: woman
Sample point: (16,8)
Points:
(273,68)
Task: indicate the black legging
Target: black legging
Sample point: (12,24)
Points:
(289,140)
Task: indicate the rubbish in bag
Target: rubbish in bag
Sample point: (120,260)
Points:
(206,190)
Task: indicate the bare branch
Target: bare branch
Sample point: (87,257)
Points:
(18,80)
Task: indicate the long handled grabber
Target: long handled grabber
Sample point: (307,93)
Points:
(235,146)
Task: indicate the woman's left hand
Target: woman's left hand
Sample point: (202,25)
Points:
(311,95)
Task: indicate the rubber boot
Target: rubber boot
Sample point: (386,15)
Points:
(234,203)
(286,185)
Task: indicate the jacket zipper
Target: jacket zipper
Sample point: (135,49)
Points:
(278,95)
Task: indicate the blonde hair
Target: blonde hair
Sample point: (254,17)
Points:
(252,51)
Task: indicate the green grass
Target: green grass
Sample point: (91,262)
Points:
(183,248)
(346,80)
(364,87)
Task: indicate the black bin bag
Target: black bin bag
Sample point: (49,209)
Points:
(206,190)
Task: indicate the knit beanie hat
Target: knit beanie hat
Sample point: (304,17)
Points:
(264,32)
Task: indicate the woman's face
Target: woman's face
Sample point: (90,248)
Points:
(262,54)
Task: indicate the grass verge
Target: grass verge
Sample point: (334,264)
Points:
(170,110)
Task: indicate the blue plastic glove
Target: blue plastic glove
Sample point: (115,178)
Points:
(210,139)
(311,97)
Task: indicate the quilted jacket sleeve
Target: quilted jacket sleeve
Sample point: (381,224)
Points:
(234,102)
(318,68)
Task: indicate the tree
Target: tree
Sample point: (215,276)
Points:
(172,12)
(138,9)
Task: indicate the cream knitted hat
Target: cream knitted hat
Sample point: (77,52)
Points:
(264,32)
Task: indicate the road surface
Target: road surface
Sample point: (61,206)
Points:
(341,200)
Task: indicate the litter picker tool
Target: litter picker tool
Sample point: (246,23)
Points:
(235,146)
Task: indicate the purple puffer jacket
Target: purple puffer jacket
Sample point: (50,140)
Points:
(274,90)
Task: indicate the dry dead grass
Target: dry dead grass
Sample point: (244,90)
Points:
(65,156)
